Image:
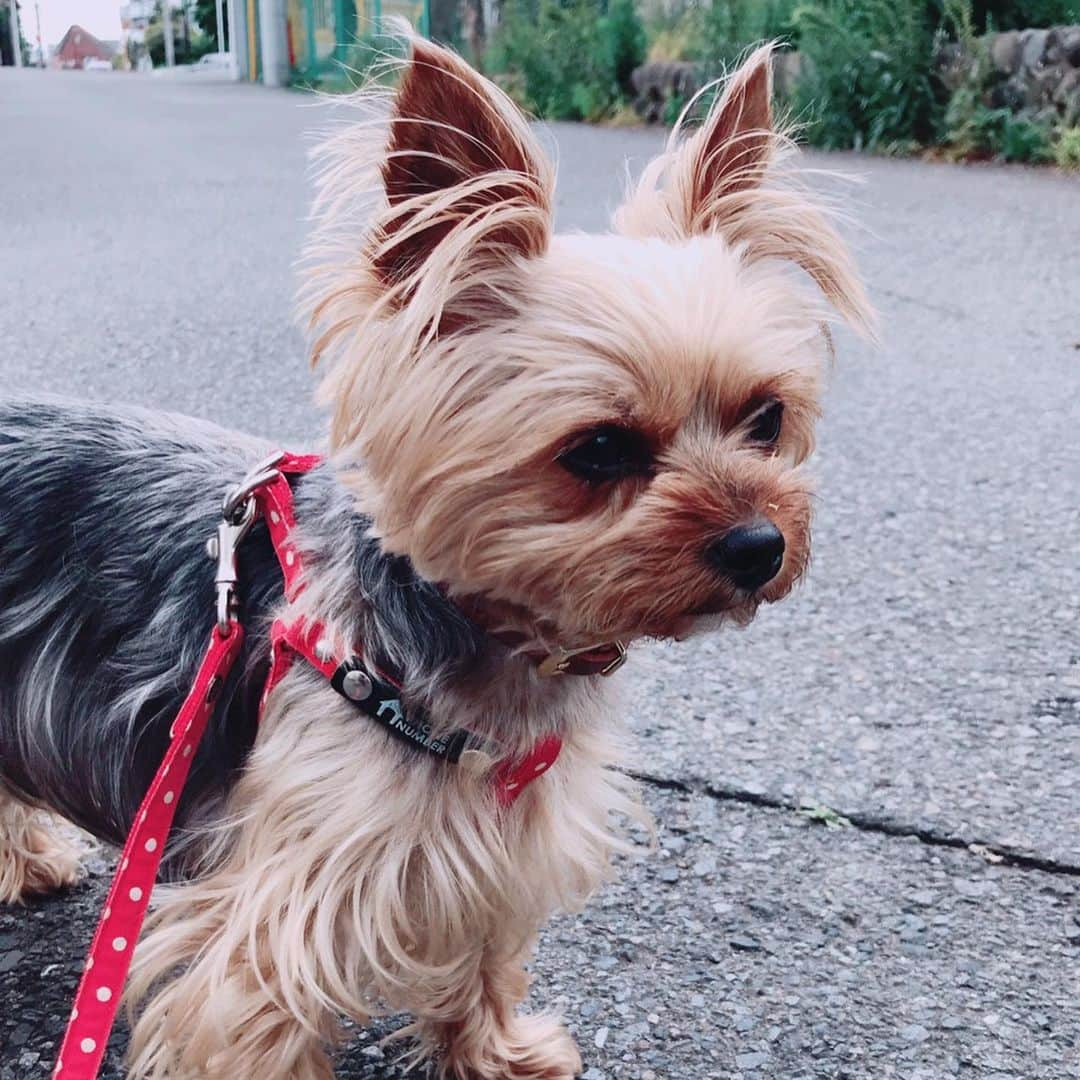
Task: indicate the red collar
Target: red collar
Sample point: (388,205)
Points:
(358,678)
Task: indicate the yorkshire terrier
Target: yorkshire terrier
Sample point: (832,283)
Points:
(540,446)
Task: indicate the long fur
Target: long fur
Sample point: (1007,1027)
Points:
(321,869)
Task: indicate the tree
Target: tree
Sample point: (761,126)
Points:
(7,56)
(205,12)
(188,45)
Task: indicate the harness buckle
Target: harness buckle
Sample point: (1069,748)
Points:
(558,662)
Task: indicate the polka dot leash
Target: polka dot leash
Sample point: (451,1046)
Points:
(109,958)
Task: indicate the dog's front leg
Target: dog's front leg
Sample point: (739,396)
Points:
(478,1035)
(215,1006)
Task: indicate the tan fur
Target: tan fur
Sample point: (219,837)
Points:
(35,855)
(465,347)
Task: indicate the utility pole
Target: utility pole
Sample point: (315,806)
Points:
(274,40)
(221,26)
(16,39)
(167,27)
(40,42)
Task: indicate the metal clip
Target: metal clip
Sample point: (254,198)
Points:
(265,472)
(223,547)
(237,516)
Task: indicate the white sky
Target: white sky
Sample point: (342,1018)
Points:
(100,17)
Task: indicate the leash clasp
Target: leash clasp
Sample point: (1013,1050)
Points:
(238,513)
(222,547)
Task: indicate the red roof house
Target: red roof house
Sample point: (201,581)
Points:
(79,45)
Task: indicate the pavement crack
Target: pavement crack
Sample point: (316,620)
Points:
(869,823)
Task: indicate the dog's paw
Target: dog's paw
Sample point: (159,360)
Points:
(544,1051)
(532,1048)
(39,860)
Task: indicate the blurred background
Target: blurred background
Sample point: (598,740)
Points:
(972,79)
(868,860)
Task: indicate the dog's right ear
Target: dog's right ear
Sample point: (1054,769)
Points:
(462,173)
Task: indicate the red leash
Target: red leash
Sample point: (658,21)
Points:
(109,958)
(267,492)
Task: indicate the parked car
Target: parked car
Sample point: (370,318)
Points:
(215,61)
(93,63)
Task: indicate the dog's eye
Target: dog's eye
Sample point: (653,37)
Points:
(607,453)
(765,426)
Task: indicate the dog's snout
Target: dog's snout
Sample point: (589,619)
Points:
(750,555)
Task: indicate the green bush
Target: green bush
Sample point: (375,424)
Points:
(869,79)
(1066,148)
(567,59)
(1020,14)
(974,130)
(720,32)
(716,34)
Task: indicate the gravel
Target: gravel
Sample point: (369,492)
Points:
(650,979)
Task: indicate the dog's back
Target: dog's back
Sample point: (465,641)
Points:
(107,600)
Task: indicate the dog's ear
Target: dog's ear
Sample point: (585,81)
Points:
(724,179)
(461,169)
(688,190)
(732,150)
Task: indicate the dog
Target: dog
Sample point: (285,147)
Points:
(541,447)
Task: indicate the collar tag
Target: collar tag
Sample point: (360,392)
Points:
(592,660)
(382,702)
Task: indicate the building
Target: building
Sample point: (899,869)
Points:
(276,40)
(134,19)
(79,45)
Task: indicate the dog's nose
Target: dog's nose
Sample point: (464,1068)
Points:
(750,555)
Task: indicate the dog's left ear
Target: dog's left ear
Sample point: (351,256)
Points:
(462,173)
(722,179)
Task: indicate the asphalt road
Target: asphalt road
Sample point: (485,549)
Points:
(924,684)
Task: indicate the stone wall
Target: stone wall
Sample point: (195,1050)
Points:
(1036,72)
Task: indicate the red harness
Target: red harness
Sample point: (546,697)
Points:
(109,957)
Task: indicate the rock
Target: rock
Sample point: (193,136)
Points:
(787,70)
(1033,48)
(1013,94)
(9,961)
(1070,46)
(669,874)
(600,1038)
(953,65)
(751,1061)
(1005,52)
(972,890)
(1054,41)
(914,1033)
(662,87)
(1066,87)
(745,943)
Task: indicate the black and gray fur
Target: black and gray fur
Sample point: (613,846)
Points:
(107,602)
